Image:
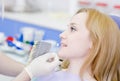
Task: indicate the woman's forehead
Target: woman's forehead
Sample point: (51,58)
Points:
(79,18)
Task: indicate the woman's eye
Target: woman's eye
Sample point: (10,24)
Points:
(72,29)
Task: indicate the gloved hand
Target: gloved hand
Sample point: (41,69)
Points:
(43,65)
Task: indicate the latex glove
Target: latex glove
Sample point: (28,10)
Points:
(43,65)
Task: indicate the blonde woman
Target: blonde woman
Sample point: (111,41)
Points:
(90,49)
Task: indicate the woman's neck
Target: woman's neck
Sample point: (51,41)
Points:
(75,67)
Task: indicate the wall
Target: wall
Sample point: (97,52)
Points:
(12,27)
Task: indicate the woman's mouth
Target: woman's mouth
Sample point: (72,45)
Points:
(63,45)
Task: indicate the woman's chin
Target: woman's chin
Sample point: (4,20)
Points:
(60,54)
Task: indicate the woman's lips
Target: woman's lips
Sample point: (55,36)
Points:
(63,45)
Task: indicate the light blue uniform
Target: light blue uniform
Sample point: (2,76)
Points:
(59,76)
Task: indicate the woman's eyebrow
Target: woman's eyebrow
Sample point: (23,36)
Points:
(72,23)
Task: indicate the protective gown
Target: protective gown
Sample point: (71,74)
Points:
(59,76)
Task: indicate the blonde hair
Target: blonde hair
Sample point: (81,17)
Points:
(104,56)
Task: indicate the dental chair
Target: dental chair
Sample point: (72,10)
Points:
(116,19)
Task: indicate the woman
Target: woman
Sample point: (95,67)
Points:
(101,59)
(89,48)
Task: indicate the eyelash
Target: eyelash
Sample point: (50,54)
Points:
(72,29)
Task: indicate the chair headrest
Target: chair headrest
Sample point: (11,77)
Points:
(116,19)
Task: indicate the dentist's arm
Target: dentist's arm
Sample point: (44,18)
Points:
(42,65)
(23,76)
(9,66)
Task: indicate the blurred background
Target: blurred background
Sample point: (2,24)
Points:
(24,21)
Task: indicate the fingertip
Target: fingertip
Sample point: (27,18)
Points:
(54,55)
(53,58)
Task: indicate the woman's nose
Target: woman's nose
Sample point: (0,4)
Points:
(63,35)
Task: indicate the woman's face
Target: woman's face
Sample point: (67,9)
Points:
(75,41)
